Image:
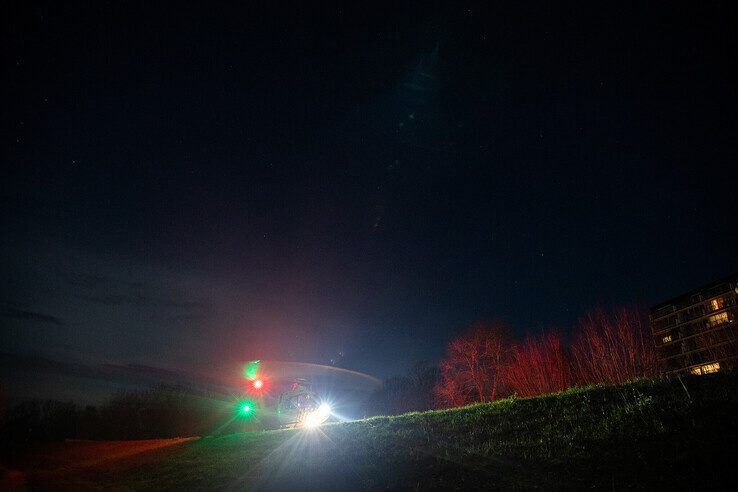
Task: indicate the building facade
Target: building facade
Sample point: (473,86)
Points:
(697,332)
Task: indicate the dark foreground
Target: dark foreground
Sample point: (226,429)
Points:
(645,434)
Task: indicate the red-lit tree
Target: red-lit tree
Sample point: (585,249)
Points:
(539,366)
(473,370)
(613,347)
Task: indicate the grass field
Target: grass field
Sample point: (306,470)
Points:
(662,434)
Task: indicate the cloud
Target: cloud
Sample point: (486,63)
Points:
(93,280)
(10,312)
(86,280)
(112,292)
(133,375)
(177,319)
(140,299)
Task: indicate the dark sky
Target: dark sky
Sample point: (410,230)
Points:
(191,185)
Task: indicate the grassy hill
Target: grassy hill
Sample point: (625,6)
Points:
(666,433)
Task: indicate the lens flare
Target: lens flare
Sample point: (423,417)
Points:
(251,369)
(316,417)
(324,409)
(312,420)
(246,409)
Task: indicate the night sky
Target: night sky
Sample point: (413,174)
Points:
(191,185)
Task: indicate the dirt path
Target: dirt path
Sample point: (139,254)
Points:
(69,465)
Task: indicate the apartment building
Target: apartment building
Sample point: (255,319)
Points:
(697,332)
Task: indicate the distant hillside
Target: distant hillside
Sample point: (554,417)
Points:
(668,433)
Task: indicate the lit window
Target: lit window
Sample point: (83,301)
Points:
(717,319)
(706,369)
(666,339)
(718,303)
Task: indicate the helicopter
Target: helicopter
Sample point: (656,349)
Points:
(279,399)
(301,406)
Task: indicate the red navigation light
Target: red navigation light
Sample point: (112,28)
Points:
(258,384)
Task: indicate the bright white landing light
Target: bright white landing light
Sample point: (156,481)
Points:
(317,416)
(324,409)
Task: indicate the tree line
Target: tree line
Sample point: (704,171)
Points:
(161,411)
(487,363)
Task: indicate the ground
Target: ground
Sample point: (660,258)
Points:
(664,433)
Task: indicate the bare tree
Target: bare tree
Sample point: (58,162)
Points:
(613,347)
(401,394)
(473,370)
(539,366)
